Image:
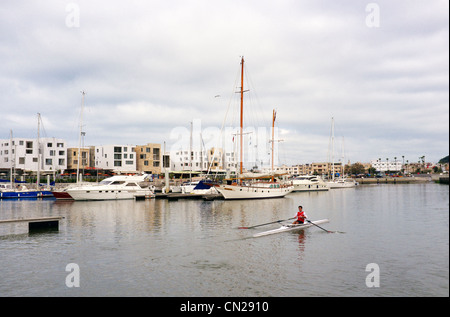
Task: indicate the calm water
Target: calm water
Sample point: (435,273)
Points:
(191,248)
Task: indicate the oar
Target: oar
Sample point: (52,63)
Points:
(323,228)
(263,224)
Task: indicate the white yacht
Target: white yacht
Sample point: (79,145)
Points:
(309,183)
(342,183)
(116,187)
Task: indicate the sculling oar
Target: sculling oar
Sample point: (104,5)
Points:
(323,228)
(263,224)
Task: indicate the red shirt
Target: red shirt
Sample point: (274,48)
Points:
(301,216)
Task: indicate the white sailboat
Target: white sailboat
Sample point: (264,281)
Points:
(252,187)
(341,181)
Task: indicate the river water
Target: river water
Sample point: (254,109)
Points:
(396,243)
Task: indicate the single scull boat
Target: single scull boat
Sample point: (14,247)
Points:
(290,227)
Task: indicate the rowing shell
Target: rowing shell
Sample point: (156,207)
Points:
(291,227)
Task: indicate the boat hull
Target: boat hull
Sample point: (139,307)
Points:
(95,194)
(310,187)
(62,195)
(287,228)
(25,194)
(250,192)
(334,185)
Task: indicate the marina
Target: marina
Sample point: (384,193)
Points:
(192,247)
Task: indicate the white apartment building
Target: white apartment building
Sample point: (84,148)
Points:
(118,158)
(380,166)
(22,155)
(215,159)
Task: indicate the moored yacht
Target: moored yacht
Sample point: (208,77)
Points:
(253,187)
(309,183)
(116,187)
(254,190)
(342,183)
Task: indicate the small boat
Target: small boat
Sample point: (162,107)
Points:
(8,192)
(309,183)
(290,227)
(113,188)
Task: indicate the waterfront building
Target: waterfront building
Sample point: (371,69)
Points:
(214,159)
(148,158)
(387,166)
(321,168)
(21,154)
(120,159)
(78,154)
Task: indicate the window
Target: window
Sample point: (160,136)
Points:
(49,144)
(117,149)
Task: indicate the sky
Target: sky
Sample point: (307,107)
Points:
(380,69)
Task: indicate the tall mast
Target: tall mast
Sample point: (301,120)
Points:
(11,178)
(242,111)
(38,152)
(273,137)
(332,147)
(81,132)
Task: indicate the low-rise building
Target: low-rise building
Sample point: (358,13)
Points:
(117,158)
(47,156)
(148,158)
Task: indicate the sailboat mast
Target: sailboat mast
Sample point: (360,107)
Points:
(79,137)
(332,146)
(273,137)
(11,178)
(242,111)
(38,176)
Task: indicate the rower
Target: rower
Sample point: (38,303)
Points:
(301,216)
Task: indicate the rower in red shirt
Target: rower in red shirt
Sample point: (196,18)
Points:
(301,216)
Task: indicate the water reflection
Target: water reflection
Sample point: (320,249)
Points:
(192,248)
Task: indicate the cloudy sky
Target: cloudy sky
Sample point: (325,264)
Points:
(149,68)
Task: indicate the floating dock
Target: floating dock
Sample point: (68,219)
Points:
(37,223)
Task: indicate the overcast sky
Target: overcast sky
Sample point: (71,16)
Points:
(149,68)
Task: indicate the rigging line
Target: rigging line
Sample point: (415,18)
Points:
(265,121)
(223,125)
(42,127)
